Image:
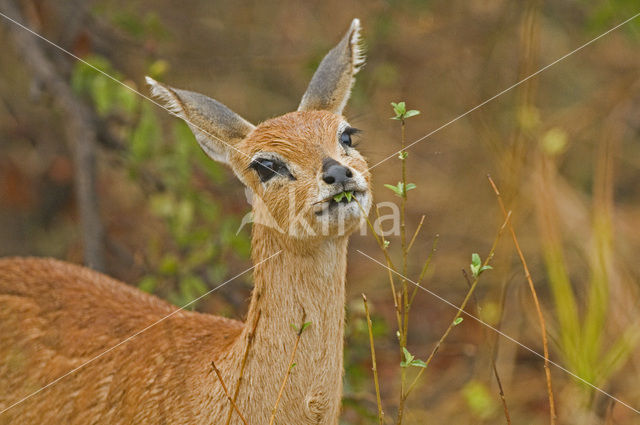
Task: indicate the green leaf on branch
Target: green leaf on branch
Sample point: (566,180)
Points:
(400,109)
(457,321)
(476,265)
(305,325)
(398,190)
(410,360)
(411,113)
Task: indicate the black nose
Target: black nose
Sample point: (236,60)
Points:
(334,172)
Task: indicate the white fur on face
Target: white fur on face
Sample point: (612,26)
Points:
(340,217)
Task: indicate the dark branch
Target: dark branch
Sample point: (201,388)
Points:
(81,133)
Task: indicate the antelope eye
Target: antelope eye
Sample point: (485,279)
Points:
(268,168)
(345,138)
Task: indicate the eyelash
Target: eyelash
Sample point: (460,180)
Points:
(268,168)
(349,131)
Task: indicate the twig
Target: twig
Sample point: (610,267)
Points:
(374,368)
(380,240)
(244,362)
(460,309)
(496,339)
(404,330)
(415,234)
(534,294)
(224,387)
(383,246)
(385,249)
(425,267)
(288,371)
(493,360)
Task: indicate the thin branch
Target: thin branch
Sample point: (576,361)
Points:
(288,371)
(382,243)
(415,234)
(374,368)
(380,240)
(385,249)
(460,309)
(493,360)
(224,387)
(496,338)
(404,330)
(534,294)
(243,364)
(425,267)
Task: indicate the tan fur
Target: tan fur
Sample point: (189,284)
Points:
(55,316)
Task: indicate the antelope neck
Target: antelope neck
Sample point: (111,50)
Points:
(301,284)
(304,279)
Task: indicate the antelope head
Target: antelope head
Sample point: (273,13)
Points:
(306,177)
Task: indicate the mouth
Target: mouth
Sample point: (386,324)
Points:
(337,200)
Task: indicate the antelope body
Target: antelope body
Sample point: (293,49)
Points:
(113,354)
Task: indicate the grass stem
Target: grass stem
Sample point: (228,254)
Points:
(534,294)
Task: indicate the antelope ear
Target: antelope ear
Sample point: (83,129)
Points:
(216,127)
(331,84)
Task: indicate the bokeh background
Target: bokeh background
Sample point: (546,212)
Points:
(564,147)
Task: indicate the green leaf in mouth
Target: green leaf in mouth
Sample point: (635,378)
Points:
(347,194)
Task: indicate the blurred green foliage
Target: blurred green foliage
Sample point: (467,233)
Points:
(190,259)
(603,12)
(479,399)
(582,308)
(129,20)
